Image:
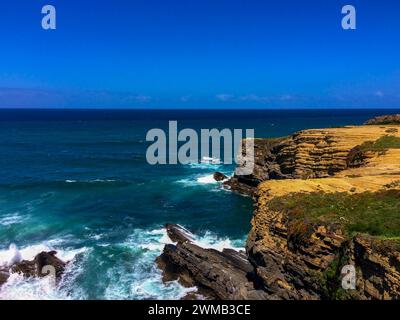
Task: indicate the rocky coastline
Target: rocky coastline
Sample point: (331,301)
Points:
(311,217)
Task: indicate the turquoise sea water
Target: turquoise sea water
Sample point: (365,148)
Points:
(78,182)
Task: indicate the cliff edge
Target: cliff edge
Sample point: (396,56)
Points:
(323,199)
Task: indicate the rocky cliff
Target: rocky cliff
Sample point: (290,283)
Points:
(316,153)
(323,199)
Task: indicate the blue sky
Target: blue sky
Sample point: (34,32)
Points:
(200,54)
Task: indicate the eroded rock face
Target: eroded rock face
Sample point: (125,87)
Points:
(292,261)
(378,268)
(286,264)
(314,153)
(266,166)
(218,275)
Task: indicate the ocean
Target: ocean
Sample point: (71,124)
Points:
(77,181)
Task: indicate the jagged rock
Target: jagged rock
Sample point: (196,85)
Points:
(34,268)
(218,176)
(384,120)
(218,275)
(178,233)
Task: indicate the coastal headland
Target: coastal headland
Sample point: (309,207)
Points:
(323,199)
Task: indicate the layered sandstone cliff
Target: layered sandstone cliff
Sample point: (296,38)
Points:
(316,153)
(314,212)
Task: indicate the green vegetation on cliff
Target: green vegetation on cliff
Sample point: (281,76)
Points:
(376,214)
(382,144)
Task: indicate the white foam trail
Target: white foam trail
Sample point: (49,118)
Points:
(143,279)
(209,160)
(11,257)
(206,179)
(90,181)
(29,252)
(207,163)
(11,219)
(19,288)
(211,241)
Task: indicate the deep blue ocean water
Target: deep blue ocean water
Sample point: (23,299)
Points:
(77,181)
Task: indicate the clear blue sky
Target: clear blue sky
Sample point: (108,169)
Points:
(200,54)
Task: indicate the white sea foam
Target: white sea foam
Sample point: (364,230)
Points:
(18,287)
(206,179)
(91,181)
(199,180)
(210,240)
(29,252)
(206,163)
(144,280)
(134,275)
(10,219)
(210,160)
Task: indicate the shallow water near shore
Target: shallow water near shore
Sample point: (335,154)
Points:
(78,182)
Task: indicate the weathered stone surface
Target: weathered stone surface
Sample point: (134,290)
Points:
(378,268)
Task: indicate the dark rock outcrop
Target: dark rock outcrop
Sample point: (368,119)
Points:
(3,276)
(218,176)
(384,120)
(218,275)
(35,268)
(266,166)
(177,233)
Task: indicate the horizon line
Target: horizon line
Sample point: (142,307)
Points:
(196,109)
